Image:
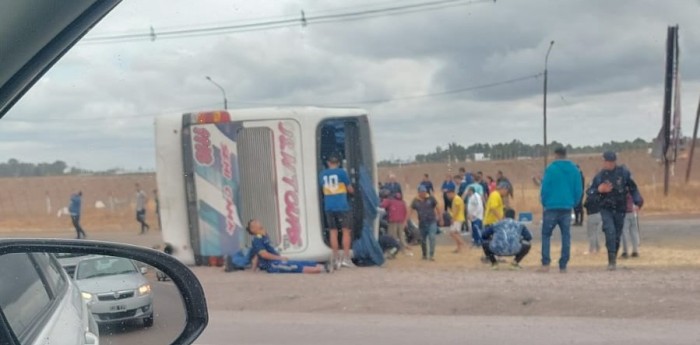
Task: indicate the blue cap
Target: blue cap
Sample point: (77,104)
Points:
(422,189)
(451,188)
(609,156)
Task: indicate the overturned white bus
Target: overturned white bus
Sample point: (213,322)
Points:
(217,170)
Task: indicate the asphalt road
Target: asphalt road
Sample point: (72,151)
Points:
(169,319)
(263,328)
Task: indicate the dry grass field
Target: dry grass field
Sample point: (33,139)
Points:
(23,201)
(24,206)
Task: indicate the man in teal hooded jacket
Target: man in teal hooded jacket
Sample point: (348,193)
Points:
(561,191)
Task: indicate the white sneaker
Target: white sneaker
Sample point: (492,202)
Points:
(337,263)
(347,263)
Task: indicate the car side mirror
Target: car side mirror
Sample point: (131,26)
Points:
(120,297)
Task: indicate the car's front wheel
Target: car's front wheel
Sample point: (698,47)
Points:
(148,322)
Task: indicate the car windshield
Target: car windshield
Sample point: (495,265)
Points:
(94,268)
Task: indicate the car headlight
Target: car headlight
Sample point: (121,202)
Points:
(86,296)
(144,289)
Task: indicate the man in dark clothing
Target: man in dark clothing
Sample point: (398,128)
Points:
(507,238)
(426,207)
(75,209)
(578,209)
(393,186)
(609,190)
(447,185)
(480,179)
(500,178)
(427,184)
(265,257)
(390,246)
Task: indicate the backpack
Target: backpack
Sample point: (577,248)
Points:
(239,261)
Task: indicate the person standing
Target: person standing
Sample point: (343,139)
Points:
(393,186)
(611,186)
(561,190)
(449,183)
(501,179)
(428,184)
(630,231)
(74,209)
(594,223)
(475,212)
(578,209)
(335,183)
(484,185)
(397,215)
(491,184)
(461,190)
(428,212)
(466,176)
(494,206)
(495,209)
(457,213)
(141,200)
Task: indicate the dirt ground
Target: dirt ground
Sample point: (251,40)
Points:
(662,284)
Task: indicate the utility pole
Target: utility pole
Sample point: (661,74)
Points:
(692,145)
(544,108)
(671,43)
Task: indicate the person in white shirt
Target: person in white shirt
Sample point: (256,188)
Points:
(475,213)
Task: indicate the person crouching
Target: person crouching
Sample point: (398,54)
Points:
(507,238)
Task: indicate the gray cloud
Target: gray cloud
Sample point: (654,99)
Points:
(606,71)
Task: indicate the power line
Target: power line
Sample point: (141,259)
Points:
(282,22)
(403,98)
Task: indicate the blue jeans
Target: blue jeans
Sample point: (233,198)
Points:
(550,220)
(427,233)
(477,225)
(613,223)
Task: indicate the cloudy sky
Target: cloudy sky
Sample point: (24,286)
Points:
(95,108)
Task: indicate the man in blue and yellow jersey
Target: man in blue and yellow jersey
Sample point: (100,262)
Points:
(336,185)
(265,257)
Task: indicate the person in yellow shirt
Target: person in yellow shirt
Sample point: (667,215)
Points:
(494,206)
(458,218)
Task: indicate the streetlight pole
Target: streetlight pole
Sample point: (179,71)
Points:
(222,91)
(544,112)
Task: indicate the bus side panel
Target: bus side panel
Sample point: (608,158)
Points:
(212,189)
(171,188)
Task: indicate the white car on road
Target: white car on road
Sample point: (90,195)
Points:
(115,289)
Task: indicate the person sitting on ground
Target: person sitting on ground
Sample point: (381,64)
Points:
(507,238)
(266,258)
(390,246)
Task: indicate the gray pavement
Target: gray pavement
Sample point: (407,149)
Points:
(263,328)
